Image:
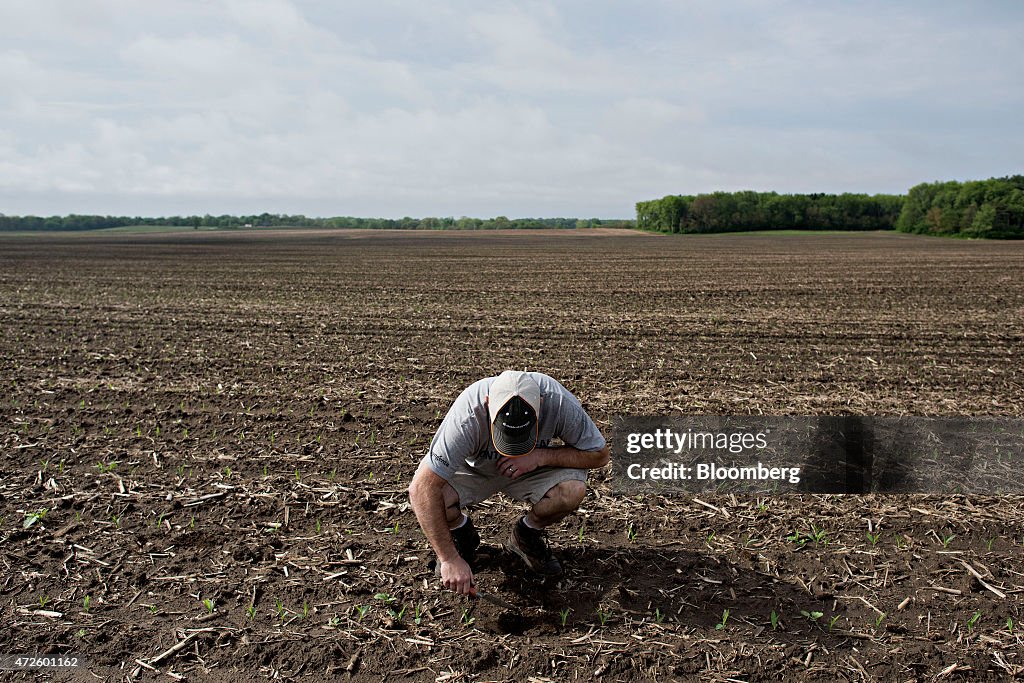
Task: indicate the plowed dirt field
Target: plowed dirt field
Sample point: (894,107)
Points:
(207,437)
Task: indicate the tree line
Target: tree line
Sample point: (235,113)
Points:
(976,208)
(741,211)
(273,220)
(979,208)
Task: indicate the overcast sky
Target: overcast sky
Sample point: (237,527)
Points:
(451,108)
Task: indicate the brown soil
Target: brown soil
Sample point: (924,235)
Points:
(234,417)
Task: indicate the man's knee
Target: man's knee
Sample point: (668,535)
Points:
(569,494)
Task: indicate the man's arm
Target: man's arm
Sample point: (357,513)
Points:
(564,456)
(427,498)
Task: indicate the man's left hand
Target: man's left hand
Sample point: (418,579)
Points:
(523,464)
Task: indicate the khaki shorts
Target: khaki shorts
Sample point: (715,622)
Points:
(474,487)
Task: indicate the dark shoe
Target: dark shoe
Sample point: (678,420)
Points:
(530,546)
(466,540)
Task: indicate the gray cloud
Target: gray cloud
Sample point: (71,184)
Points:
(520,109)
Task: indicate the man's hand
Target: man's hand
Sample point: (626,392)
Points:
(523,464)
(457,576)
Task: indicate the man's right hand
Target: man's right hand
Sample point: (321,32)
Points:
(457,576)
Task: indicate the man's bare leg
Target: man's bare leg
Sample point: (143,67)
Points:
(452,507)
(561,500)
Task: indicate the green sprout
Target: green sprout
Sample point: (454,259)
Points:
(362,609)
(602,616)
(43,599)
(417,615)
(280,609)
(208,604)
(832,622)
(946,540)
(879,619)
(33,517)
(86,601)
(720,626)
(305,609)
(564,615)
(580,534)
(631,533)
(334,622)
(250,611)
(972,621)
(1009,625)
(775,620)
(873,539)
(467,618)
(659,616)
(812,616)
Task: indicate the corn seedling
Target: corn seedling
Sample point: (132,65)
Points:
(279,606)
(33,517)
(580,534)
(972,621)
(659,616)
(563,614)
(720,626)
(318,526)
(265,474)
(43,599)
(86,602)
(417,615)
(334,622)
(775,620)
(192,522)
(873,539)
(250,611)
(710,539)
(208,604)
(631,533)
(305,609)
(947,539)
(153,609)
(397,614)
(106,467)
(832,622)
(467,618)
(988,544)
(602,616)
(819,536)
(812,616)
(298,477)
(879,619)
(1009,625)
(362,609)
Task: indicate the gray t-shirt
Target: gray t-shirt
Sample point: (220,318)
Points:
(463,441)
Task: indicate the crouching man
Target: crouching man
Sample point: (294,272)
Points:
(495,438)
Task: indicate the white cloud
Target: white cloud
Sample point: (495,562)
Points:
(505,108)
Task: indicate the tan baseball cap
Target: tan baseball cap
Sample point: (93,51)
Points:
(514,406)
